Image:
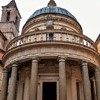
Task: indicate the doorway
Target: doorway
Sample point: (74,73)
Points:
(49,91)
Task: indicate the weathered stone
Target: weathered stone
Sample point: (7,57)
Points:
(13,83)
(4,85)
(33,81)
(62,80)
(87,88)
(97,79)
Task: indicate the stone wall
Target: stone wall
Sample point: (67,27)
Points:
(98,46)
(1,76)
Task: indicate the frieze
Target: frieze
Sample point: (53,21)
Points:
(42,52)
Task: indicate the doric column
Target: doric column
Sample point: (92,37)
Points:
(26,90)
(62,80)
(4,87)
(87,88)
(33,81)
(13,83)
(97,79)
(20,86)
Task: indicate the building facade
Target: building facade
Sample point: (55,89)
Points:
(51,60)
(3,41)
(9,29)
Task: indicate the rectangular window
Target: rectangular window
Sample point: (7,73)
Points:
(92,90)
(78,90)
(23,91)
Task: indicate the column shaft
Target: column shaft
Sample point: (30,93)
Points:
(97,79)
(62,80)
(87,88)
(26,90)
(4,87)
(33,82)
(13,83)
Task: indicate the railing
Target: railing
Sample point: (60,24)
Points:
(57,36)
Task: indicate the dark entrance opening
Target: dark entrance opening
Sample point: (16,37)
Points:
(92,90)
(49,91)
(78,90)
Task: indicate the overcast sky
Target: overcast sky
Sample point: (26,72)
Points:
(87,12)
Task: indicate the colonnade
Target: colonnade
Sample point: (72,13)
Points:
(34,79)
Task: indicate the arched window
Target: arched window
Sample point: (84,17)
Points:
(8,16)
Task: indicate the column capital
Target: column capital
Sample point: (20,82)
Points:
(62,58)
(35,59)
(84,63)
(14,65)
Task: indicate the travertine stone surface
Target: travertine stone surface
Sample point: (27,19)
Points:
(97,79)
(13,83)
(33,81)
(87,88)
(62,80)
(4,87)
(47,37)
(27,84)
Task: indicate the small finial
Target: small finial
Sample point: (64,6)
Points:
(51,3)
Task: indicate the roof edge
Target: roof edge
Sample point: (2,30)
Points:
(98,39)
(2,35)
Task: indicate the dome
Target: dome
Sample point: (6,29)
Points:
(53,9)
(58,12)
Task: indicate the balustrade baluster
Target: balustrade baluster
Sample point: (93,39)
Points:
(32,38)
(29,38)
(73,38)
(19,42)
(86,43)
(66,37)
(54,37)
(41,37)
(83,42)
(78,39)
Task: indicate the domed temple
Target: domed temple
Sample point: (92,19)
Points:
(51,60)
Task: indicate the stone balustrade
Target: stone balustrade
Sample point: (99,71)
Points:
(55,37)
